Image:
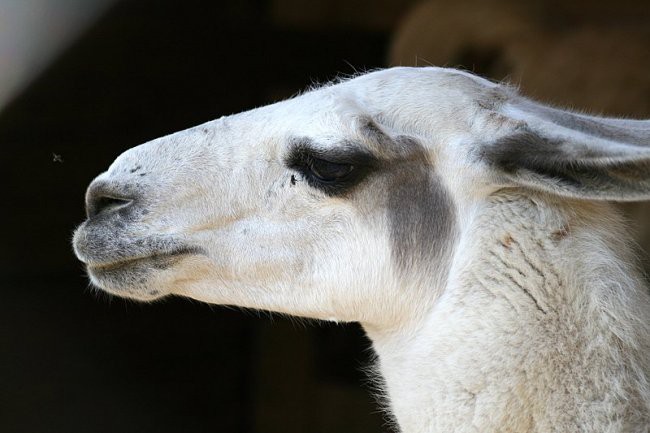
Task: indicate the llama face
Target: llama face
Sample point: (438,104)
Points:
(309,206)
(343,203)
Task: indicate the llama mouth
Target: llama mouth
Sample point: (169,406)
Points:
(140,277)
(104,249)
(159,260)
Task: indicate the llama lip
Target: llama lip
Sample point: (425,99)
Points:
(138,277)
(101,249)
(160,260)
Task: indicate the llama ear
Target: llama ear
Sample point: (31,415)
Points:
(573,155)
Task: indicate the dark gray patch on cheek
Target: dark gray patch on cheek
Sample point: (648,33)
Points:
(421,214)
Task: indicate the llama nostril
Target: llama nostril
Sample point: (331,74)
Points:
(100,199)
(105,204)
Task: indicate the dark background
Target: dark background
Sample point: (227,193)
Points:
(73,360)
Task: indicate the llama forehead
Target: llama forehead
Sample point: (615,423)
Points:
(387,93)
(354,106)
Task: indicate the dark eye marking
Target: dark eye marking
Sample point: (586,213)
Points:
(333,171)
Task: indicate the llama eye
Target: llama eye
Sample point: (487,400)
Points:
(327,171)
(334,172)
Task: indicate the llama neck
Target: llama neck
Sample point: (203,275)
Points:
(540,328)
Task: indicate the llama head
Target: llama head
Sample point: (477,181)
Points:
(344,202)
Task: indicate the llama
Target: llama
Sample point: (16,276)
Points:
(465,227)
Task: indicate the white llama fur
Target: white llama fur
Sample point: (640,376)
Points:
(465,227)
